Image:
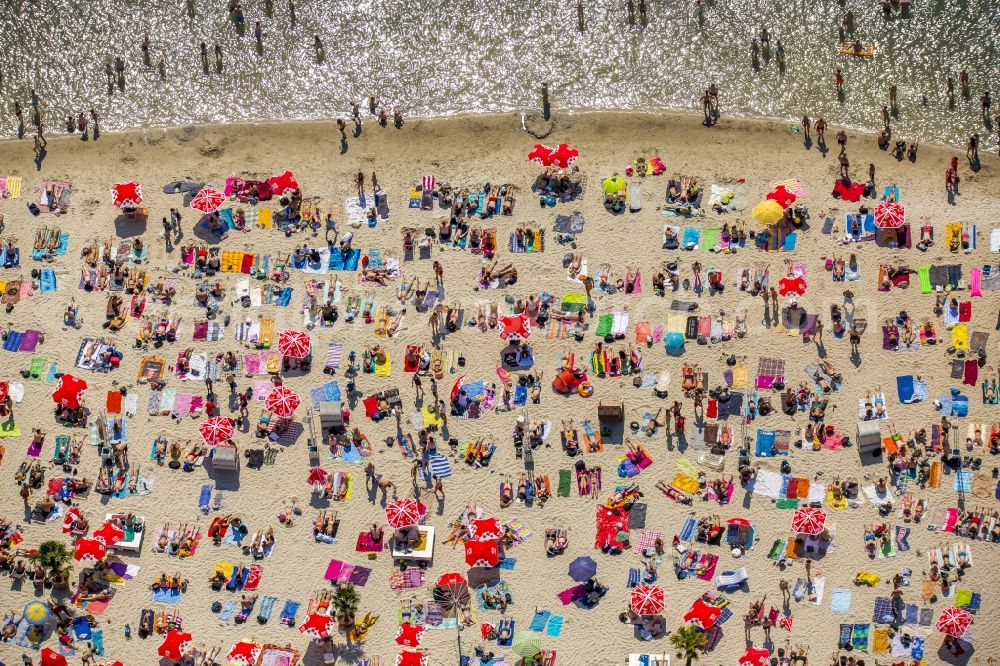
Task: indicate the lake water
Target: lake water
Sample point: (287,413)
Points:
(443,57)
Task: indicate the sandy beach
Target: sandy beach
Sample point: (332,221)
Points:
(745,156)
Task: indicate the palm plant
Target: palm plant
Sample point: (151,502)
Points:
(54,557)
(345,602)
(689,643)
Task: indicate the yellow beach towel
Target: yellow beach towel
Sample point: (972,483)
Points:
(687,467)
(264,218)
(384,369)
(740,377)
(431,419)
(14,184)
(960,337)
(227,568)
(685,484)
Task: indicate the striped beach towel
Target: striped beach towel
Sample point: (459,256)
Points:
(439,466)
(428,183)
(334,354)
(521,531)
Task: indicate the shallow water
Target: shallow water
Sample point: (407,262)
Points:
(437,57)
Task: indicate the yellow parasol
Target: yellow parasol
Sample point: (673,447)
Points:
(768,212)
(613,185)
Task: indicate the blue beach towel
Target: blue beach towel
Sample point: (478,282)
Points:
(167,596)
(205,497)
(228,610)
(540,620)
(289,610)
(691,238)
(555,625)
(97,642)
(81,629)
(47,280)
(339,261)
(840,600)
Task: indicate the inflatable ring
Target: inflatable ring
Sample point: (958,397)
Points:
(586,389)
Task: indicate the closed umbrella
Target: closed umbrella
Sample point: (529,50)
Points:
(808,520)
(69,391)
(217,430)
(294,344)
(409,634)
(527,643)
(208,200)
(648,600)
(282,402)
(126,195)
(953,621)
(453,578)
(613,185)
(582,568)
(768,212)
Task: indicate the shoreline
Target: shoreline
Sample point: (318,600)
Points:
(559,121)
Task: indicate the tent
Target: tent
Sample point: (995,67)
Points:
(674,343)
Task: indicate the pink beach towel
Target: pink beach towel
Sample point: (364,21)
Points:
(976,282)
(950,519)
(572,594)
(182,405)
(261,390)
(708,562)
(251,364)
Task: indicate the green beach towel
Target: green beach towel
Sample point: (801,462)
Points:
(963,598)
(924,273)
(565,478)
(37,365)
(604,324)
(710,238)
(573,302)
(787,504)
(9,429)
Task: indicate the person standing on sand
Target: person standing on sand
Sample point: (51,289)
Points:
(783,586)
(359,180)
(986,102)
(819,330)
(820,129)
(806,127)
(342,126)
(842,140)
(81,122)
(845,164)
(972,151)
(885,116)
(871,173)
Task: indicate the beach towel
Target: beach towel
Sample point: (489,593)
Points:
(840,600)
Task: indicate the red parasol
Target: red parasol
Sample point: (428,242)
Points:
(844,189)
(317,625)
(487,528)
(89,549)
(781,196)
(4,391)
(702,614)
(408,658)
(456,387)
(69,391)
(540,154)
(889,215)
(174,645)
(808,520)
(217,430)
(403,513)
(754,657)
(317,475)
(482,553)
(742,522)
(50,657)
(282,402)
(244,652)
(953,621)
(109,534)
(283,181)
(126,194)
(409,634)
(208,200)
(564,156)
(116,662)
(517,325)
(453,578)
(648,600)
(294,344)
